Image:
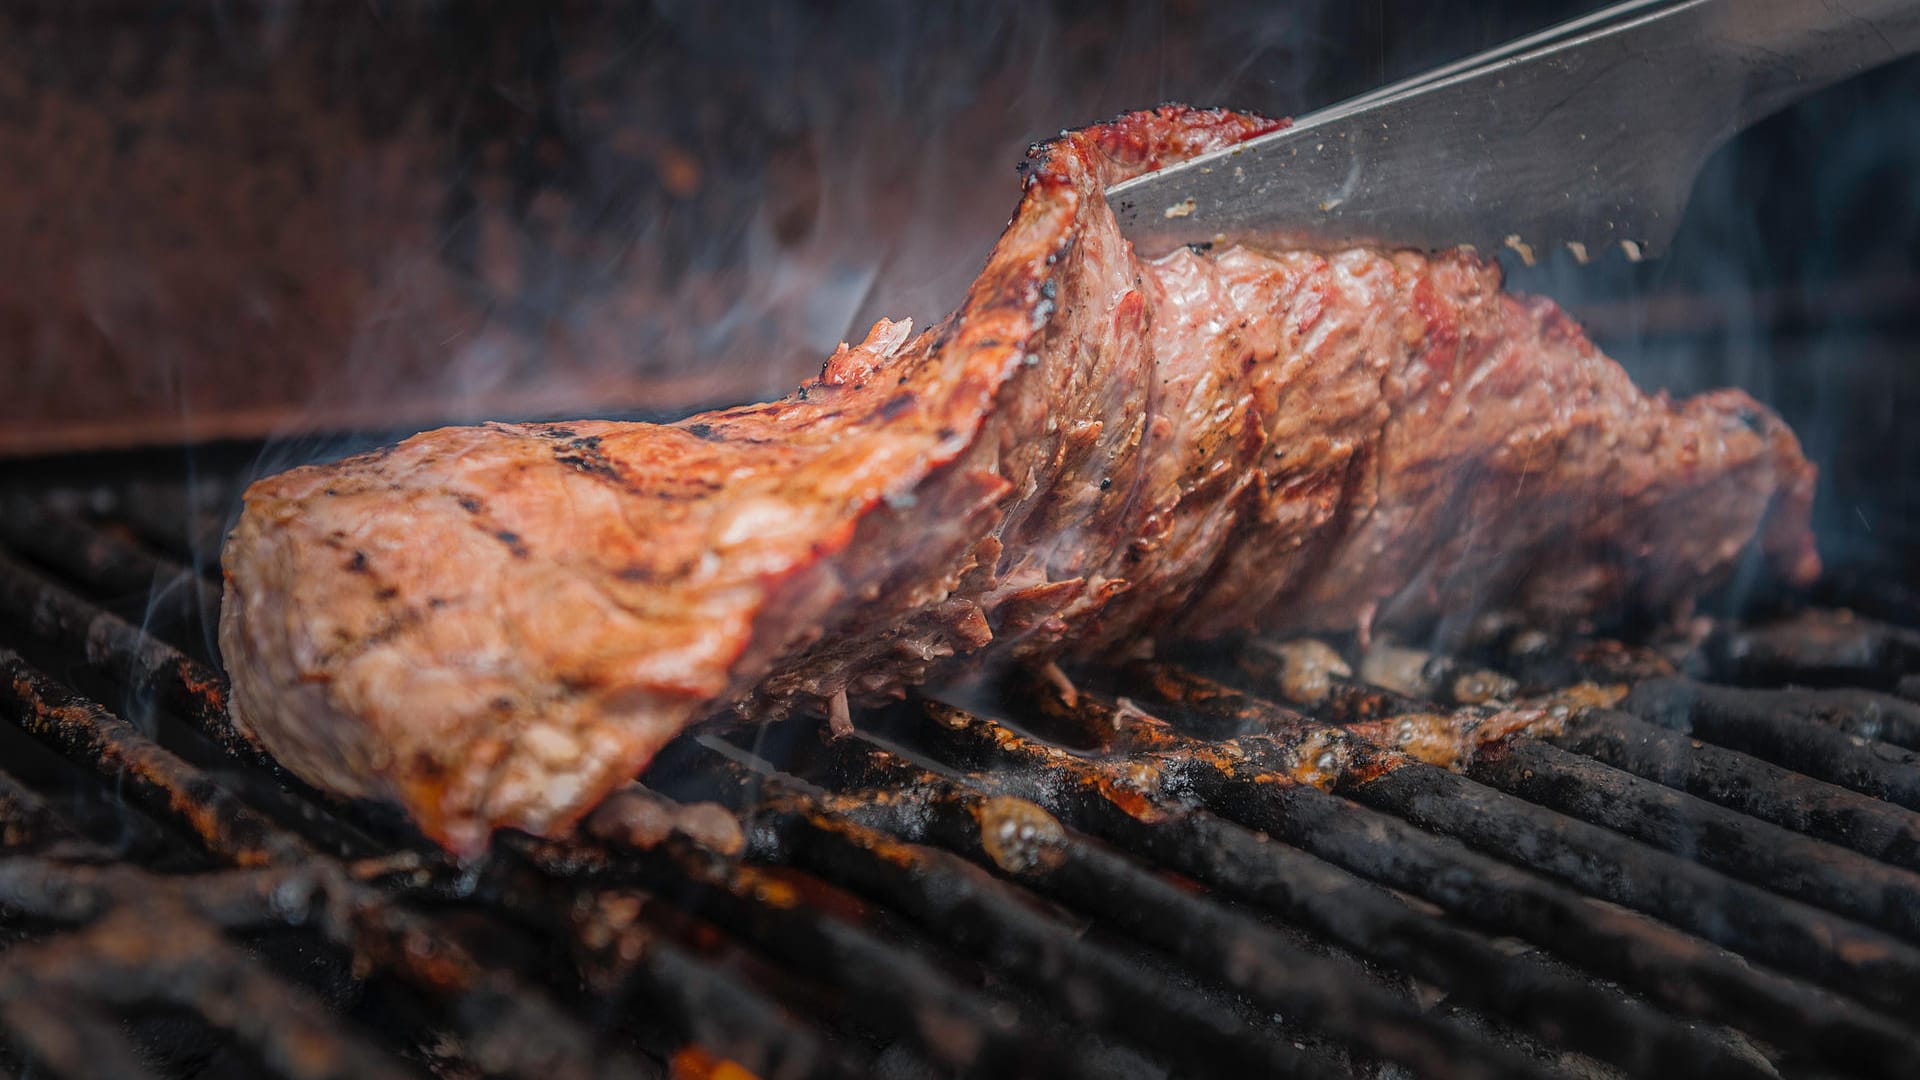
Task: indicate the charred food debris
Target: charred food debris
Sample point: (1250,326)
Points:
(1292,858)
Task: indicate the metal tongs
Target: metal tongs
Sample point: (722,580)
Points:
(1587,135)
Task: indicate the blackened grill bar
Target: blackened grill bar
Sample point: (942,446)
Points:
(151,776)
(1001,928)
(1753,787)
(1826,649)
(899,988)
(954,892)
(1842,956)
(122,652)
(995,831)
(1847,957)
(1808,870)
(107,560)
(1026,846)
(626,953)
(1788,736)
(505,1015)
(121,960)
(1681,972)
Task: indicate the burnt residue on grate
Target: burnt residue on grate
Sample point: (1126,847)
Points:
(1539,856)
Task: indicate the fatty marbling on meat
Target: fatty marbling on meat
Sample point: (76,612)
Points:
(497,625)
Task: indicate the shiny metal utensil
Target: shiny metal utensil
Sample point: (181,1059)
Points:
(1588,135)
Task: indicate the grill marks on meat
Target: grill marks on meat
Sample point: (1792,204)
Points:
(497,625)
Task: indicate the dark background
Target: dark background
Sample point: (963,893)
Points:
(293,222)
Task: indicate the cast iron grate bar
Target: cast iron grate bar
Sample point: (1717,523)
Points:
(1322,898)
(73,613)
(1021,842)
(1826,876)
(124,653)
(70,613)
(1003,906)
(1757,788)
(1817,648)
(1739,781)
(1679,971)
(1800,732)
(147,774)
(1843,955)
(185,520)
(107,560)
(140,954)
(1002,927)
(897,988)
(176,678)
(504,1016)
(142,666)
(634,928)
(997,828)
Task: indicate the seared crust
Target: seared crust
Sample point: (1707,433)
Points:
(495,626)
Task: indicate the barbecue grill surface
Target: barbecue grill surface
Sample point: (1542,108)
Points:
(1170,869)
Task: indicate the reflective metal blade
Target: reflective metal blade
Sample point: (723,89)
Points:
(1586,137)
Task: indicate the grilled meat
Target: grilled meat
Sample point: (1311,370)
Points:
(497,625)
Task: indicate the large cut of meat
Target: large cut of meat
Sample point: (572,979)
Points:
(497,625)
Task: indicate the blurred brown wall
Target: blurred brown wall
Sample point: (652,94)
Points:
(245,218)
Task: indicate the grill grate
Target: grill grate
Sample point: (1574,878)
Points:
(1500,867)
